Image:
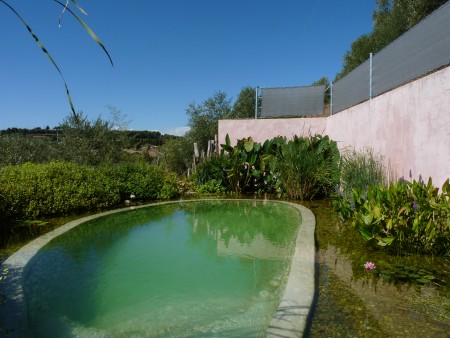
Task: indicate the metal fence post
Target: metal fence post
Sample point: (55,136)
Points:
(256,102)
(370,76)
(331,98)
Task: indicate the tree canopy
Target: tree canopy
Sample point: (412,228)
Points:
(203,117)
(244,107)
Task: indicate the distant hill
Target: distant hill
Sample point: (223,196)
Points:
(137,138)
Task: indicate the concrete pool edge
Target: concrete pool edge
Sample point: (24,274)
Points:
(290,318)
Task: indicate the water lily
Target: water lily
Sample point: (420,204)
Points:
(370,266)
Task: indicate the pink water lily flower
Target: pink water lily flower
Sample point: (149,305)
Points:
(370,266)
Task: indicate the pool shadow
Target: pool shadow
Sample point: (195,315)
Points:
(288,320)
(12,302)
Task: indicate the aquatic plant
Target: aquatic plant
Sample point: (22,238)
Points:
(308,167)
(250,166)
(361,169)
(411,216)
(302,168)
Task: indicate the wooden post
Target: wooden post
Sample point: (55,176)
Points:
(196,153)
(209,150)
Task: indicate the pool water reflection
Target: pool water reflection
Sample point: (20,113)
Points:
(178,269)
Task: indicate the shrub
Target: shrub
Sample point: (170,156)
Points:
(212,187)
(404,216)
(308,167)
(170,188)
(33,190)
(56,188)
(144,181)
(210,169)
(176,154)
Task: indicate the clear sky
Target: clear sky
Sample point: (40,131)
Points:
(167,54)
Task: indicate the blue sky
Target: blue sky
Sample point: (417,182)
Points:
(166,54)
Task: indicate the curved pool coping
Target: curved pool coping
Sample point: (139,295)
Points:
(290,319)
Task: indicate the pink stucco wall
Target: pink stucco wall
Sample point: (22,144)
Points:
(264,129)
(408,126)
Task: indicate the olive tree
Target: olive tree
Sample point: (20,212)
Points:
(204,117)
(244,107)
(91,142)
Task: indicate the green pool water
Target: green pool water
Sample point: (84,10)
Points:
(210,268)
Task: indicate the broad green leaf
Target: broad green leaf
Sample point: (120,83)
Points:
(365,234)
(256,173)
(252,160)
(446,186)
(227,148)
(248,145)
(385,241)
(367,219)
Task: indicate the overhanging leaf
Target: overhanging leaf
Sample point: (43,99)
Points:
(86,27)
(39,43)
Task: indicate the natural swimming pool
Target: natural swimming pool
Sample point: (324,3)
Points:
(350,301)
(179,269)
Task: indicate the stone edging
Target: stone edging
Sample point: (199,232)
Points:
(292,315)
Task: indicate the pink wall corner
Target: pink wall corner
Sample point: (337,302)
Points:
(408,126)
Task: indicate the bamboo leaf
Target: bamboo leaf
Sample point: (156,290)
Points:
(66,6)
(86,27)
(79,7)
(39,43)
